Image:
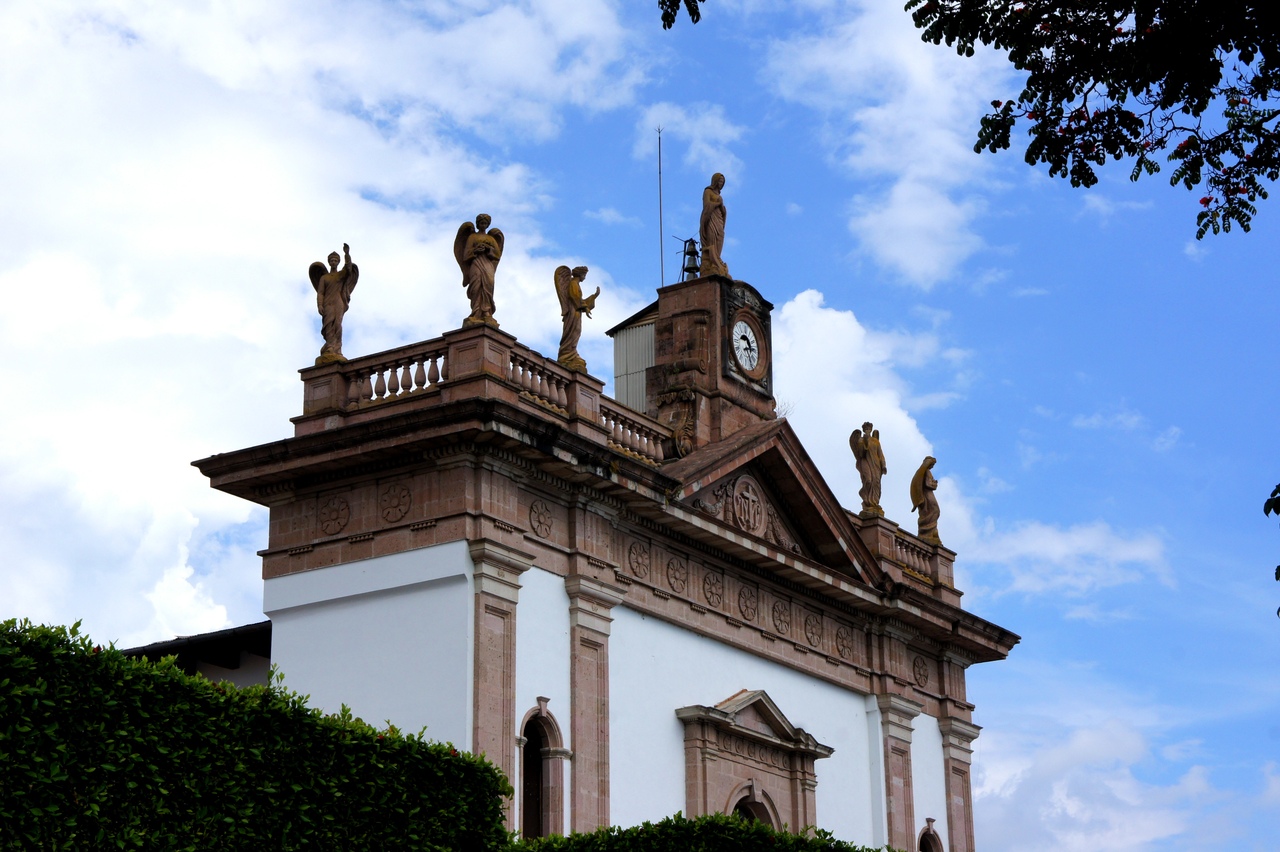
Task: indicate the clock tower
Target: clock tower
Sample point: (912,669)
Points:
(708,372)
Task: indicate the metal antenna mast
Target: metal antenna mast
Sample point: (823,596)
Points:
(662,258)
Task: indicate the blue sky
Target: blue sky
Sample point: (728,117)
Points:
(1091,379)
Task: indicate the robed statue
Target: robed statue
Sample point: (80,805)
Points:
(478,249)
(711,229)
(333,297)
(865,443)
(572,307)
(925,501)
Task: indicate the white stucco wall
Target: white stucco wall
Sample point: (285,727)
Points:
(542,656)
(928,778)
(655,668)
(391,637)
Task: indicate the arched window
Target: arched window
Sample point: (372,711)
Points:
(929,839)
(542,756)
(532,818)
(753,811)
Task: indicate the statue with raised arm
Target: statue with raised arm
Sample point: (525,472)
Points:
(865,443)
(333,296)
(572,307)
(711,229)
(478,249)
(925,501)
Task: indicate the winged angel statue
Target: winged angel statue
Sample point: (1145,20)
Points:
(865,443)
(333,297)
(478,249)
(572,306)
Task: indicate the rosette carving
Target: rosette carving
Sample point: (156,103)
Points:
(332,515)
(395,502)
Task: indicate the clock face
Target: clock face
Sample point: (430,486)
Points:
(746,348)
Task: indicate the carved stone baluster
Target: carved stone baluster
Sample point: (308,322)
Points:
(526,376)
(406,378)
(562,393)
(655,446)
(366,388)
(420,376)
(393,383)
(355,391)
(433,372)
(444,368)
(380,387)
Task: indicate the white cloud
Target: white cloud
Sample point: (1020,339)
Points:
(610,216)
(1071,761)
(860,381)
(157,305)
(703,128)
(1044,559)
(900,114)
(794,209)
(1103,208)
(1123,420)
(1166,440)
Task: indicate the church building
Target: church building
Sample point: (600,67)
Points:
(633,606)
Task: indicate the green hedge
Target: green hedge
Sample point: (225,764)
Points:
(715,833)
(98,751)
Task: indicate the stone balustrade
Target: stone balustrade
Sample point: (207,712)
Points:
(478,362)
(911,553)
(632,432)
(396,373)
(538,379)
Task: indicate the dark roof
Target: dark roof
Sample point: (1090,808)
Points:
(220,648)
(634,318)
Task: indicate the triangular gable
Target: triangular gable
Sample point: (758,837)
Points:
(753,714)
(798,513)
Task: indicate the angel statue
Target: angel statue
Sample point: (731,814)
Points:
(478,250)
(711,229)
(333,297)
(865,443)
(572,307)
(923,500)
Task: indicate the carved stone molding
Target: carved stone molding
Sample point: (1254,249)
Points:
(744,748)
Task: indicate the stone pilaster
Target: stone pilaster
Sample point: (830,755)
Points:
(497,587)
(590,602)
(896,714)
(957,758)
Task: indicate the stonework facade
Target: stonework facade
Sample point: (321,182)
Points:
(659,601)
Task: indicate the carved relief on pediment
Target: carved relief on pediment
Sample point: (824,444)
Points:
(741,502)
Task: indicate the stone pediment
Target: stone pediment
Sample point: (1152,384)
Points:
(742,501)
(753,715)
(761,482)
